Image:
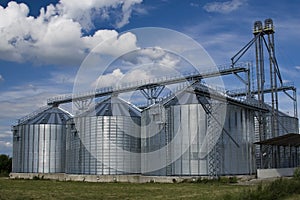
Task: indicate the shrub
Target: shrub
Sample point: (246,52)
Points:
(277,189)
(5,165)
(36,178)
(297,173)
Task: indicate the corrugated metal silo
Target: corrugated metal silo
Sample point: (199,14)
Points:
(39,142)
(105,140)
(185,116)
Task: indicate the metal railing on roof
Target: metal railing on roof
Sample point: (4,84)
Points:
(267,89)
(31,115)
(166,80)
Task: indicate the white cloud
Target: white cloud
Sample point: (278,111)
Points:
(5,144)
(56,35)
(4,133)
(136,66)
(108,79)
(118,78)
(5,140)
(5,137)
(223,7)
(114,44)
(24,100)
(169,61)
(142,73)
(62,78)
(155,55)
(1,78)
(82,11)
(6,147)
(137,75)
(127,9)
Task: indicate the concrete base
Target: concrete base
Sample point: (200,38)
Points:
(273,173)
(101,178)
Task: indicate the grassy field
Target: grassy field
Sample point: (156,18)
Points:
(48,189)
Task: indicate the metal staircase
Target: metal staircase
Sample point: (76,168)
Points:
(257,147)
(168,141)
(214,131)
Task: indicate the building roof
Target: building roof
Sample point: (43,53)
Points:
(291,139)
(202,93)
(113,106)
(48,115)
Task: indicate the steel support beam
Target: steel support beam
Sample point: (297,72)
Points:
(161,82)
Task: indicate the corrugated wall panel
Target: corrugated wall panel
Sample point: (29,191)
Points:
(186,119)
(103,140)
(43,148)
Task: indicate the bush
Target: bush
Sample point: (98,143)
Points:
(5,165)
(297,173)
(278,189)
(38,177)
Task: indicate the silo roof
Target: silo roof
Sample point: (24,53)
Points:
(201,93)
(186,95)
(114,106)
(52,115)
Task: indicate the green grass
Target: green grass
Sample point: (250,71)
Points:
(276,190)
(48,189)
(203,189)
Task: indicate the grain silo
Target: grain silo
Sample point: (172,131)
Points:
(39,142)
(197,131)
(105,140)
(198,135)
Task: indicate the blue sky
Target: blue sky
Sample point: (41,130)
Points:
(42,50)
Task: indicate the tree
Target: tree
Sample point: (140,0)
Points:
(5,164)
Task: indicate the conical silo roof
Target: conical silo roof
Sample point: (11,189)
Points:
(114,106)
(51,115)
(184,96)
